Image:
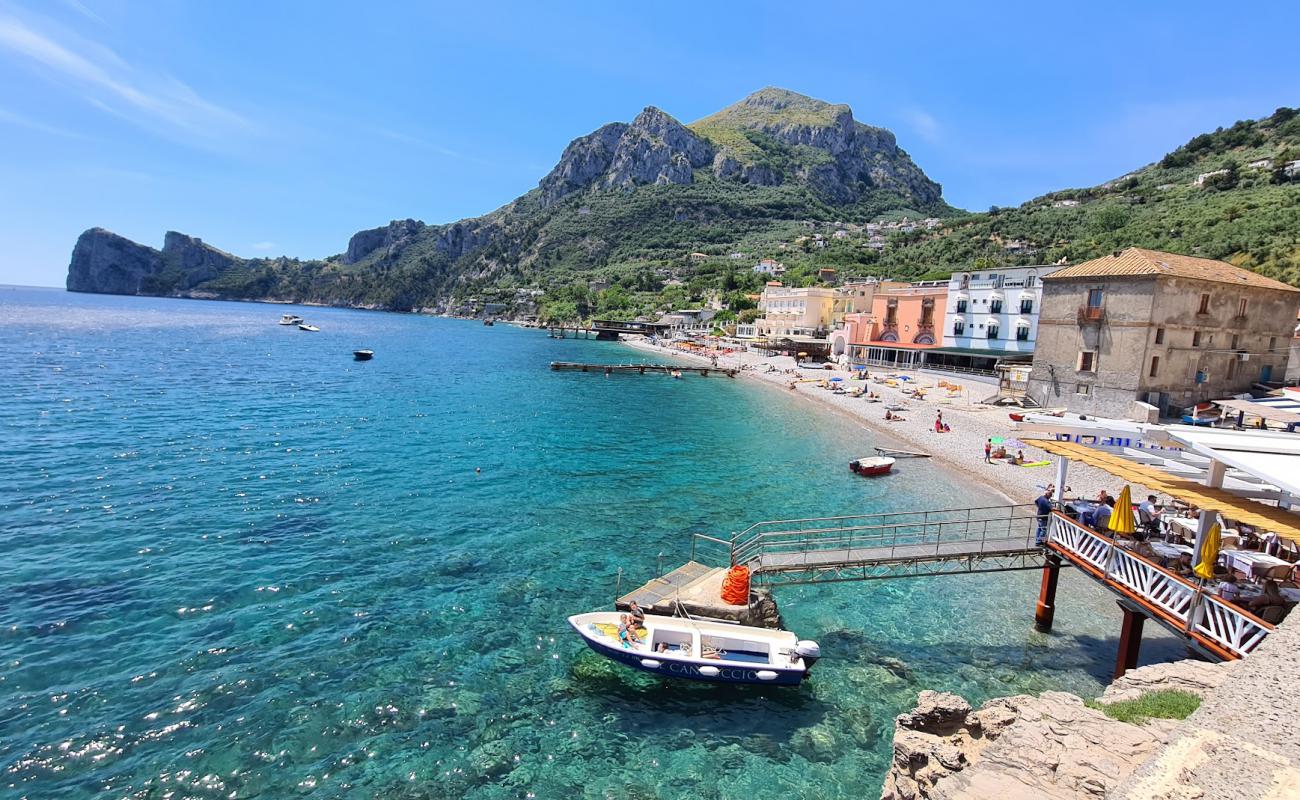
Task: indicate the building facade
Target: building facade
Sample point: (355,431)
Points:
(904,322)
(1157,328)
(995,310)
(789,312)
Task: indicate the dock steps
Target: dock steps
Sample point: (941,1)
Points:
(691,581)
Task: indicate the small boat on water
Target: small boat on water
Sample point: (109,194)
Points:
(302,326)
(489,322)
(698,650)
(871,467)
(290,319)
(363,355)
(676,373)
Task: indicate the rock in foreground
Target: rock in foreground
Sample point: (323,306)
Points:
(1051,746)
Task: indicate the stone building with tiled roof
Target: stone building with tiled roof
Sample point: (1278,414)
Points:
(1143,326)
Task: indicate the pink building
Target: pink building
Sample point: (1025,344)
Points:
(903,324)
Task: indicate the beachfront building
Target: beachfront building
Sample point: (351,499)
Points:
(903,324)
(789,312)
(992,316)
(1169,331)
(689,320)
(853,298)
(1292,377)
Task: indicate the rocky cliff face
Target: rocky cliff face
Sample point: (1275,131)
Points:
(712,170)
(106,263)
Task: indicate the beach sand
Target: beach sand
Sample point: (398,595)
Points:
(961,449)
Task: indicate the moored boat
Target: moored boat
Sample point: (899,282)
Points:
(302,326)
(290,319)
(489,322)
(870,467)
(698,650)
(363,355)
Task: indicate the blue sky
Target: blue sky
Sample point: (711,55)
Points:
(282,128)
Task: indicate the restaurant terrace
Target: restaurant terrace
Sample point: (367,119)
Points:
(1213,559)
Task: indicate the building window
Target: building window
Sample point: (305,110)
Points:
(927,311)
(1272,343)
(1022,333)
(1029,281)
(1235,339)
(1082,389)
(995,306)
(961,306)
(1196,338)
(993,331)
(1094,298)
(1160,335)
(1155,366)
(958,328)
(1232,367)
(891,312)
(1087,361)
(1205,305)
(1241,308)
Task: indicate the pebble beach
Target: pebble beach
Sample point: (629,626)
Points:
(971,421)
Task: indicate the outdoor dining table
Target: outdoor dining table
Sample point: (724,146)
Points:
(1165,550)
(1250,562)
(1250,591)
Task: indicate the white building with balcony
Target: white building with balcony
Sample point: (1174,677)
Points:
(995,311)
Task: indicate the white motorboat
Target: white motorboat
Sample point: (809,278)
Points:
(700,650)
(290,319)
(305,327)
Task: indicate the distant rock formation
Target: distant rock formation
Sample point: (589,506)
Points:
(106,263)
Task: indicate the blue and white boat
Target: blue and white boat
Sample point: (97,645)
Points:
(699,650)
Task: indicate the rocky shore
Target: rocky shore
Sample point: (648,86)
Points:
(1050,746)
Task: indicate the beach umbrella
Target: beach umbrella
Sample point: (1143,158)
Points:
(1121,521)
(1016,443)
(803,355)
(1207,555)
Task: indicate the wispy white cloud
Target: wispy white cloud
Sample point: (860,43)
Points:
(84,10)
(415,141)
(924,124)
(14,118)
(158,102)
(263,246)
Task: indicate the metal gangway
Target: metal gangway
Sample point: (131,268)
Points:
(888,545)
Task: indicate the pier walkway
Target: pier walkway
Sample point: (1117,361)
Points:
(877,546)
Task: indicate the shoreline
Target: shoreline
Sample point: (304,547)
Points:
(960,451)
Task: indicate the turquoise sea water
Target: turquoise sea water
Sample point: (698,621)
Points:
(236,563)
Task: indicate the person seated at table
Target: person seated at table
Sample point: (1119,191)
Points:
(1144,549)
(1271,596)
(1101,518)
(1183,568)
(1229,590)
(1150,505)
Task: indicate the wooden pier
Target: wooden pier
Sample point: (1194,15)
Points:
(888,451)
(641,369)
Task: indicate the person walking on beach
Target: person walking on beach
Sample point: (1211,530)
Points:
(988,451)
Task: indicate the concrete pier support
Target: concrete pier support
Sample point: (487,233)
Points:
(1046,608)
(1130,639)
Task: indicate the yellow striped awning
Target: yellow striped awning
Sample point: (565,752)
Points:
(1239,509)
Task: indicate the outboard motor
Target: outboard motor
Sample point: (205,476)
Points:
(809,651)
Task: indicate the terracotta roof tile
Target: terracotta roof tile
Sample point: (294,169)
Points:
(1136,261)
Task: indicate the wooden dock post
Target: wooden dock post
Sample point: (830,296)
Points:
(1046,608)
(1130,639)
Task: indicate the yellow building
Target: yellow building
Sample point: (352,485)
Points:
(788,311)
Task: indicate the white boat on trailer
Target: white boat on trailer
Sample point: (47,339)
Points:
(678,647)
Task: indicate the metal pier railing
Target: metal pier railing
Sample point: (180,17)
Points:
(891,545)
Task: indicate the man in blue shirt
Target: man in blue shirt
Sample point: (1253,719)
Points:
(1045,504)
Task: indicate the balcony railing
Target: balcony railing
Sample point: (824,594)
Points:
(1092,313)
